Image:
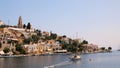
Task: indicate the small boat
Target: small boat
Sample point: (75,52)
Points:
(75,57)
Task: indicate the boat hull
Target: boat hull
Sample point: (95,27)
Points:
(75,58)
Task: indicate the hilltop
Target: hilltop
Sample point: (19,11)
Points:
(23,39)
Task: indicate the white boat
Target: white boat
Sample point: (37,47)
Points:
(75,57)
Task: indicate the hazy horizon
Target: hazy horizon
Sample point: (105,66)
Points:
(94,20)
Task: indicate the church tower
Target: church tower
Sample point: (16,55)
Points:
(20,22)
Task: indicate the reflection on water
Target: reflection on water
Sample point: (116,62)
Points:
(98,60)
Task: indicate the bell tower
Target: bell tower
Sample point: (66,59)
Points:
(20,22)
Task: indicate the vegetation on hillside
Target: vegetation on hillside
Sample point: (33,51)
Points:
(6,50)
(20,49)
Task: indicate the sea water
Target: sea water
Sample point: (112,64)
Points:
(95,60)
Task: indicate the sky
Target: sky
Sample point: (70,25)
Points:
(97,21)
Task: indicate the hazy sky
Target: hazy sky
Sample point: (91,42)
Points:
(97,21)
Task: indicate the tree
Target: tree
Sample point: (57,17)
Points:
(28,40)
(81,48)
(64,36)
(64,45)
(75,43)
(24,26)
(29,26)
(38,32)
(72,48)
(109,48)
(35,38)
(59,39)
(6,50)
(102,48)
(85,42)
(20,49)
(53,36)
(3,26)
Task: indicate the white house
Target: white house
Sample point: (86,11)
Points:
(31,48)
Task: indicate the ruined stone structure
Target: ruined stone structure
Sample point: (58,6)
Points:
(20,22)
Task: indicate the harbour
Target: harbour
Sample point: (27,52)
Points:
(96,60)
(60,34)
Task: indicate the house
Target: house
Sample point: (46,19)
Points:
(42,48)
(90,48)
(45,33)
(54,45)
(31,48)
(1,52)
(38,48)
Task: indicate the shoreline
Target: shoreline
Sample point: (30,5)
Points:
(29,55)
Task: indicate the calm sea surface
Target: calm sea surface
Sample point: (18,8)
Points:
(97,60)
